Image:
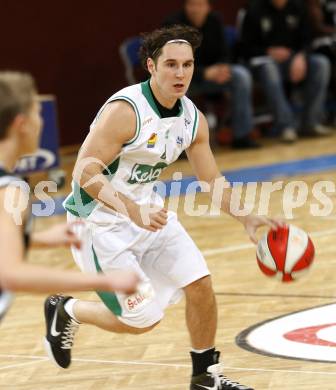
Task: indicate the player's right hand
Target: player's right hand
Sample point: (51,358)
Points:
(125,281)
(149,217)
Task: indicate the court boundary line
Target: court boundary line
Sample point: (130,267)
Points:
(261,295)
(233,248)
(155,364)
(23,364)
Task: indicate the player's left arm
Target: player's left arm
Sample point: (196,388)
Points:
(205,167)
(60,234)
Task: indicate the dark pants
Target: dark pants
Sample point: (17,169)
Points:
(272,75)
(239,87)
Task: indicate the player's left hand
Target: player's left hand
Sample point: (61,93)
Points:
(60,234)
(253,222)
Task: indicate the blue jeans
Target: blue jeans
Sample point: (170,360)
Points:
(272,75)
(239,87)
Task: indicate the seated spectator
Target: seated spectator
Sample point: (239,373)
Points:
(213,72)
(323,21)
(276,42)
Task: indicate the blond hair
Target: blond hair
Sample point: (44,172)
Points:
(17,91)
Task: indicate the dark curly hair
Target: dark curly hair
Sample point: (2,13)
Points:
(154,41)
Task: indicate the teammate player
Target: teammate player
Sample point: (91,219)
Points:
(20,126)
(138,132)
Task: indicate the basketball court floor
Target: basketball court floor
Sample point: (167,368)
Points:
(272,335)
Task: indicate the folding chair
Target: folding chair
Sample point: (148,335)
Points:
(129,52)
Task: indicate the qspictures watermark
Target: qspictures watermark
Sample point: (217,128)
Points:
(243,199)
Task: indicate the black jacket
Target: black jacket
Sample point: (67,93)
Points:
(329,12)
(265,26)
(213,49)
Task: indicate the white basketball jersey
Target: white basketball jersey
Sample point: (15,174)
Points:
(157,143)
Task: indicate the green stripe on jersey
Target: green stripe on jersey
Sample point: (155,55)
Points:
(138,120)
(79,202)
(149,97)
(196,121)
(109,299)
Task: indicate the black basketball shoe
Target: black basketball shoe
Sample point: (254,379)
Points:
(61,329)
(215,380)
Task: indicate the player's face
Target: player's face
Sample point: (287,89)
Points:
(33,126)
(174,70)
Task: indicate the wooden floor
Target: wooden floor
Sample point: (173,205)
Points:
(160,359)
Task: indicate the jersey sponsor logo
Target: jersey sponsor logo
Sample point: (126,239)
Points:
(146,121)
(305,335)
(152,141)
(139,299)
(179,140)
(164,154)
(134,301)
(186,122)
(142,173)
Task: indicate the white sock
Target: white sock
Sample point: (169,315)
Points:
(201,350)
(68,307)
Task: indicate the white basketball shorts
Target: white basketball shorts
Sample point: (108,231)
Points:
(166,260)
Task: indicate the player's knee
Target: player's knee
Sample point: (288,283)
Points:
(199,287)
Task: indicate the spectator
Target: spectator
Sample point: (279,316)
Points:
(276,39)
(323,18)
(213,72)
(323,21)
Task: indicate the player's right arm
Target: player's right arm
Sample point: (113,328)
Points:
(115,126)
(17,275)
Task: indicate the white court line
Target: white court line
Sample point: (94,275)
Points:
(133,363)
(23,356)
(154,364)
(23,364)
(239,247)
(228,249)
(284,371)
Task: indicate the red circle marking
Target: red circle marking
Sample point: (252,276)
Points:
(309,335)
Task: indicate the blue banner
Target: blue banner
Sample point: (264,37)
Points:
(47,156)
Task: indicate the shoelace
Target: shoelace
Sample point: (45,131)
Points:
(216,372)
(69,333)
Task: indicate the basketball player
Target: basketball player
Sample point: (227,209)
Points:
(20,126)
(138,132)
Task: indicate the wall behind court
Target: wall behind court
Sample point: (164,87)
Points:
(71,48)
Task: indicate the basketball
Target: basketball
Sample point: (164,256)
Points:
(286,253)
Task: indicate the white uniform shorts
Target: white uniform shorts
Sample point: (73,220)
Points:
(166,261)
